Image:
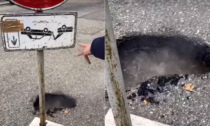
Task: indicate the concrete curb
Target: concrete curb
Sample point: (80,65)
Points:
(136,120)
(36,121)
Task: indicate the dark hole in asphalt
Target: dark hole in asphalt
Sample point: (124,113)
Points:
(145,56)
(158,62)
(156,69)
(55,102)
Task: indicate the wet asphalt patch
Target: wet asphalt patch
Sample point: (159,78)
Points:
(55,103)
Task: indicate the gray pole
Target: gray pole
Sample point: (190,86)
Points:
(114,77)
(40,56)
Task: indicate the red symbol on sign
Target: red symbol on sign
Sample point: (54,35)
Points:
(38,4)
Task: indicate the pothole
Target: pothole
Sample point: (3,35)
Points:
(143,57)
(55,103)
(156,69)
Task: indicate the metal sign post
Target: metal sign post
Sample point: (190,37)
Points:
(39,31)
(114,77)
(40,59)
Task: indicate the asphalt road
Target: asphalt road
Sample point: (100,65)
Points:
(64,72)
(161,37)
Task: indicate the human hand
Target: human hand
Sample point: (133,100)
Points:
(85,52)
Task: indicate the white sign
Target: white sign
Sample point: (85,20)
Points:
(38,31)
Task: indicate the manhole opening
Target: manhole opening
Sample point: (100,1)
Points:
(145,56)
(55,103)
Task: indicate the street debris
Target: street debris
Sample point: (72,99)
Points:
(145,101)
(189,87)
(66,111)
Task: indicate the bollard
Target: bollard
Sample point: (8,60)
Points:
(114,77)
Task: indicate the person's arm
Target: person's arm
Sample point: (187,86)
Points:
(97,48)
(85,52)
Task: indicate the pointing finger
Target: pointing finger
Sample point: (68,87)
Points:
(87,59)
(79,54)
(83,45)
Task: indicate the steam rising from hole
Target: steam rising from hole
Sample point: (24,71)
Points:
(143,57)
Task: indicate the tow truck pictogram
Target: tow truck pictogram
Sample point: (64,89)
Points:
(39,34)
